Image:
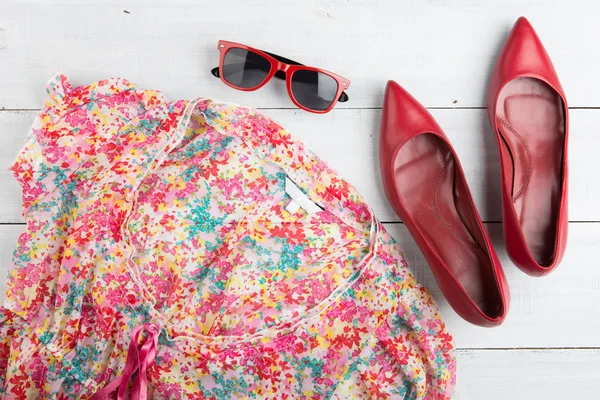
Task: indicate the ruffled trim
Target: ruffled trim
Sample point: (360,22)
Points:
(61,96)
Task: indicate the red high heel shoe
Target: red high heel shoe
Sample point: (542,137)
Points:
(529,114)
(425,184)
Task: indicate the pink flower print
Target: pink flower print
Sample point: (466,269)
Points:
(348,311)
(226,356)
(324,381)
(300,346)
(55,153)
(360,211)
(334,313)
(324,219)
(24,240)
(249,351)
(228,208)
(87,129)
(167,248)
(167,221)
(232,188)
(77,117)
(113,296)
(112,150)
(166,358)
(189,189)
(318,291)
(283,342)
(122,278)
(169,390)
(87,164)
(37,370)
(115,222)
(58,300)
(386,257)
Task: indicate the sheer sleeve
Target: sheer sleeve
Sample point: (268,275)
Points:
(72,126)
(68,143)
(412,356)
(419,351)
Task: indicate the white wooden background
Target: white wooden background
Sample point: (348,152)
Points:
(440,50)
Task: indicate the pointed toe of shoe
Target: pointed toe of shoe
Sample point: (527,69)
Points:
(523,55)
(523,27)
(403,117)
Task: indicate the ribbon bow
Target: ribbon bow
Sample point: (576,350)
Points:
(136,361)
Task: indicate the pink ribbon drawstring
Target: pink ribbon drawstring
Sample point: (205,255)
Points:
(136,361)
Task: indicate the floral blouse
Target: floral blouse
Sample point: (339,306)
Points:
(160,245)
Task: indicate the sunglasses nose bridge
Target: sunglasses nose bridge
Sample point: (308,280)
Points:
(282,66)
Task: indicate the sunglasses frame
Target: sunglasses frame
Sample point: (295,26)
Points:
(288,67)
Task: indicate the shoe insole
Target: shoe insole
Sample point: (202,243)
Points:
(530,117)
(437,200)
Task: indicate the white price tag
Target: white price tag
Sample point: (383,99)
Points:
(299,199)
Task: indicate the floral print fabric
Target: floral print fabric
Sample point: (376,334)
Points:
(140,210)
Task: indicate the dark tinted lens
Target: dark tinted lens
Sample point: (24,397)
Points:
(244,68)
(313,89)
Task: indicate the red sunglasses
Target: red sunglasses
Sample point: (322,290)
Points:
(311,89)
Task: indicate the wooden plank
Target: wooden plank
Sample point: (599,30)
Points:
(527,374)
(9,234)
(561,310)
(13,129)
(442,51)
(348,141)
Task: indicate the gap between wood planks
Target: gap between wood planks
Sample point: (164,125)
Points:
(383,222)
(336,108)
(527,348)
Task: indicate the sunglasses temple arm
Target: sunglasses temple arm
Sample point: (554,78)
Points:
(282,59)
